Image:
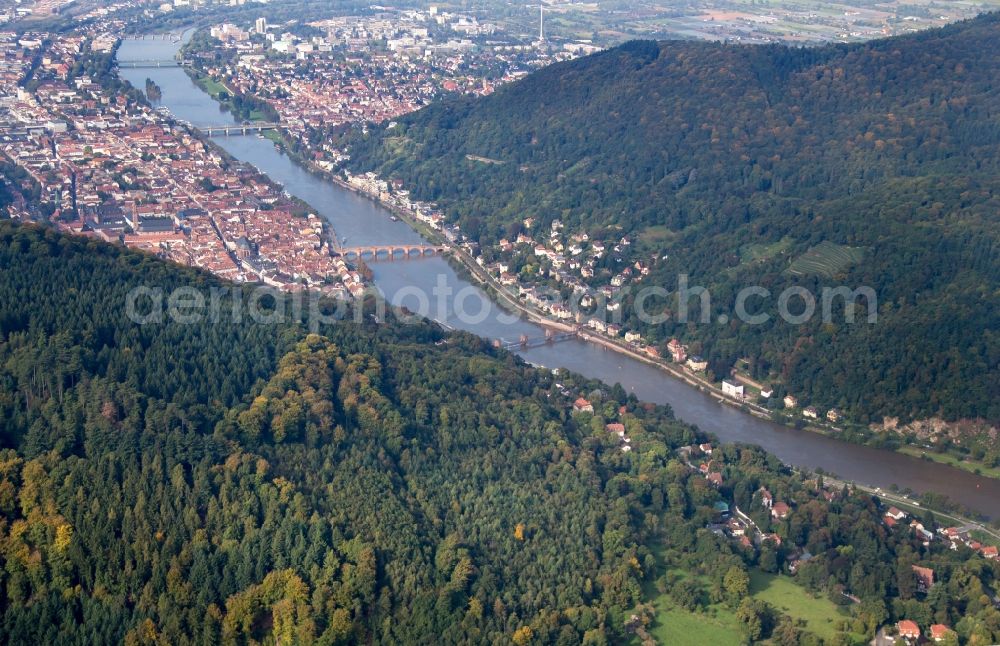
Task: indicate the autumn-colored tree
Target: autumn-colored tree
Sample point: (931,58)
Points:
(523,636)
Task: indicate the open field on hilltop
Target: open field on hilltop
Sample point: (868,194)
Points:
(826,259)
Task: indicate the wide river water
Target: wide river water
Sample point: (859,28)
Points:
(362,222)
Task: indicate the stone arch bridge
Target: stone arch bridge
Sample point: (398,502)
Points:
(392,252)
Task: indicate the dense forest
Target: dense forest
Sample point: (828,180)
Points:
(870,164)
(239,482)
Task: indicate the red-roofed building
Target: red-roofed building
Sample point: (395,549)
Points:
(990,551)
(925,578)
(715,478)
(939,632)
(581,405)
(908,630)
(780,510)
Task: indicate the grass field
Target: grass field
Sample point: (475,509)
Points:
(821,615)
(718,627)
(718,624)
(826,259)
(656,235)
(759,252)
(212,86)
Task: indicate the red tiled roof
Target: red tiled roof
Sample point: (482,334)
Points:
(908,628)
(938,631)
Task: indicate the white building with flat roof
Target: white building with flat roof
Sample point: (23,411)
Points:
(732,389)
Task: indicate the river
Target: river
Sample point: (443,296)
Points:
(363,222)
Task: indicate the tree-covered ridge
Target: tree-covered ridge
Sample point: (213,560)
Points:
(236,482)
(708,155)
(172,482)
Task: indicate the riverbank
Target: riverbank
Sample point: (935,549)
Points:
(952,460)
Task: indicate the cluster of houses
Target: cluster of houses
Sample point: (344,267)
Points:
(366,69)
(582,405)
(569,260)
(956,537)
(732,523)
(811,412)
(742,529)
(910,632)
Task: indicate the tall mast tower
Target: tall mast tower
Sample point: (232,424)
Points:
(541,23)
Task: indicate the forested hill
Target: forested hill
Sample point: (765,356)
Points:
(735,161)
(227,481)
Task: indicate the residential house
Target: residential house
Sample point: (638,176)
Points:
(908,630)
(939,632)
(581,405)
(697,364)
(810,412)
(617,429)
(780,510)
(925,578)
(677,351)
(921,531)
(732,389)
(895,514)
(791,401)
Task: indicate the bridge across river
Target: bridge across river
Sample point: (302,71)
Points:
(138,65)
(171,37)
(525,342)
(391,252)
(245,129)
